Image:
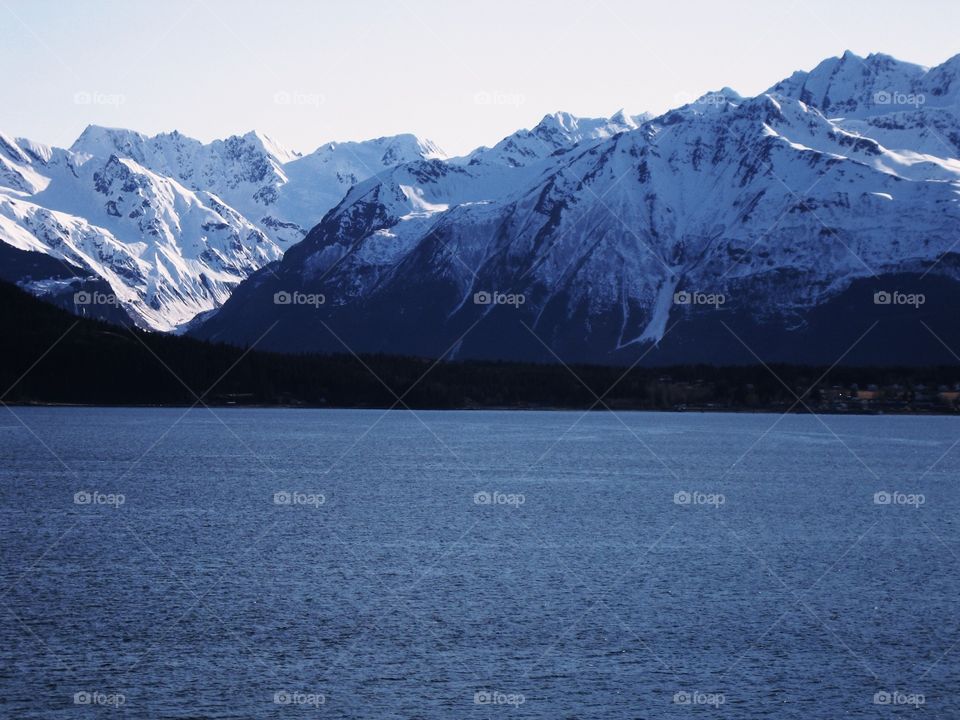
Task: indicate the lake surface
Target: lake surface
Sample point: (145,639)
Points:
(158,563)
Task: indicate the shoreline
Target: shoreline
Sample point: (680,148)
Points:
(924,412)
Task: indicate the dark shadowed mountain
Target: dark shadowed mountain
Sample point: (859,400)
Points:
(52,356)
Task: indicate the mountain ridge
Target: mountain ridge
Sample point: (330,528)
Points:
(771,202)
(779,203)
(117,205)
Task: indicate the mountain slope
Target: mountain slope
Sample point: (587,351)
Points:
(171,225)
(771,203)
(165,252)
(281,192)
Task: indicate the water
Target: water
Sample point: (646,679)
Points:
(286,563)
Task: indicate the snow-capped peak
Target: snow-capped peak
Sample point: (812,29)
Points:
(853,86)
(621,119)
(559,120)
(555,132)
(104,141)
(271,147)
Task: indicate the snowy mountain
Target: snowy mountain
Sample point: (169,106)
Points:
(282,192)
(167,253)
(168,224)
(904,107)
(728,227)
(558,131)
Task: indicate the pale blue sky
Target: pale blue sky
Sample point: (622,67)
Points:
(461,74)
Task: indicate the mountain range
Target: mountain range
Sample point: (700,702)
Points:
(167,225)
(815,222)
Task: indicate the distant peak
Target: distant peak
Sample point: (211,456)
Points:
(102,130)
(270,146)
(715,99)
(559,119)
(430,150)
(257,136)
(104,141)
(412,144)
(620,117)
(397,148)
